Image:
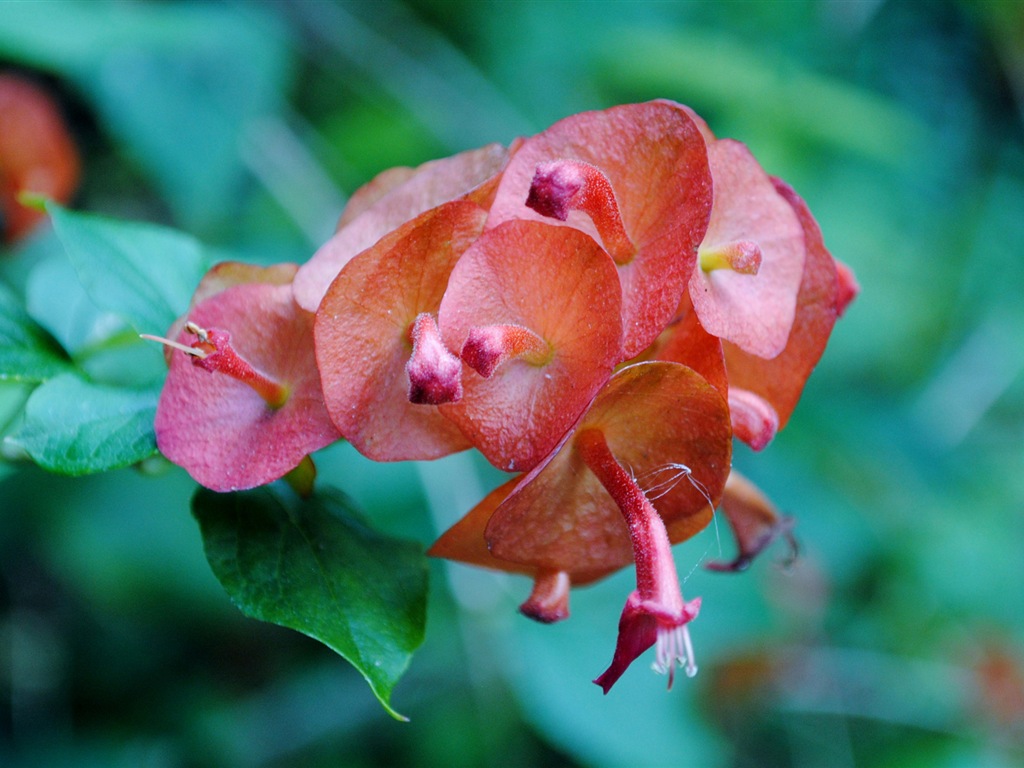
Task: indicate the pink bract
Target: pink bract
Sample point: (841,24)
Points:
(218,428)
(753,311)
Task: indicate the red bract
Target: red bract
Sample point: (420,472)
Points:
(391,199)
(634,177)
(242,404)
(535,309)
(36,154)
(383,364)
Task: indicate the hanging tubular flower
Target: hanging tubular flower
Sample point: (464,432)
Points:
(535,311)
(382,360)
(636,178)
(657,433)
(655,612)
(242,404)
(390,200)
(37,154)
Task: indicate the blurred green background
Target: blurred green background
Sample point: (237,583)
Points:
(897,639)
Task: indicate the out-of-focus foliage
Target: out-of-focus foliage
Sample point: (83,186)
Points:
(898,636)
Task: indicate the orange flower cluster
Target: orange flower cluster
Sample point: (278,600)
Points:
(599,308)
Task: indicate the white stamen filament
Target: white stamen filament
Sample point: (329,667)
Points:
(174,344)
(674,645)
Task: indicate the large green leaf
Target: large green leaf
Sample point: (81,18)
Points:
(77,427)
(143,273)
(27,353)
(318,569)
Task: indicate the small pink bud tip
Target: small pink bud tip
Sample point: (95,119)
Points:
(561,186)
(754,420)
(848,287)
(549,600)
(554,187)
(435,374)
(489,346)
(743,256)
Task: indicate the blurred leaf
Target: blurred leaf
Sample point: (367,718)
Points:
(176,82)
(318,569)
(143,273)
(726,74)
(27,353)
(76,427)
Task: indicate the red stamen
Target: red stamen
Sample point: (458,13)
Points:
(212,351)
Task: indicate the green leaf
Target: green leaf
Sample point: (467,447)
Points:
(55,299)
(27,353)
(319,569)
(76,427)
(143,273)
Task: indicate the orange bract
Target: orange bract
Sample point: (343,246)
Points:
(37,154)
(559,284)
(392,199)
(363,340)
(655,160)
